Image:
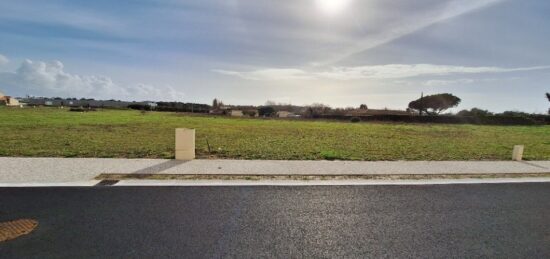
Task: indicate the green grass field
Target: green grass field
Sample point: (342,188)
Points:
(52,132)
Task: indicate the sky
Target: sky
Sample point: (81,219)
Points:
(493,54)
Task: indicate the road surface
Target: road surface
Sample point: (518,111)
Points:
(478,220)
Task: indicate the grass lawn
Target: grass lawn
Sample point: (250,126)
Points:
(52,132)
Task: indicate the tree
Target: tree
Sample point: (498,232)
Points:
(548,97)
(317,109)
(434,104)
(216,104)
(363,107)
(266,111)
(270,103)
(514,114)
(475,112)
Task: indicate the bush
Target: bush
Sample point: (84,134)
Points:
(266,111)
(80,109)
(182,107)
(485,120)
(250,113)
(139,107)
(355,119)
(475,112)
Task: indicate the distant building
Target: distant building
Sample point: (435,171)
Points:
(294,115)
(284,114)
(216,112)
(8,100)
(236,113)
(151,104)
(221,110)
(228,111)
(250,112)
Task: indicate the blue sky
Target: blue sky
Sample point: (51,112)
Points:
(491,53)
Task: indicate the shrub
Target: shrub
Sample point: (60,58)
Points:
(250,113)
(80,109)
(475,112)
(139,107)
(483,120)
(266,111)
(182,107)
(355,119)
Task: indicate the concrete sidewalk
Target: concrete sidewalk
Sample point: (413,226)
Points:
(59,170)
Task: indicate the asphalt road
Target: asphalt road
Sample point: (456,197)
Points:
(489,220)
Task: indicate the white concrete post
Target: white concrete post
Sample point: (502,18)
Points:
(185,144)
(517,155)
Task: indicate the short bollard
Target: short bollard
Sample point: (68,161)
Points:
(517,155)
(185,144)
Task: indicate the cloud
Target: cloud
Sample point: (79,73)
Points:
(391,71)
(394,71)
(3,60)
(269,74)
(466,81)
(452,9)
(40,78)
(243,31)
(462,81)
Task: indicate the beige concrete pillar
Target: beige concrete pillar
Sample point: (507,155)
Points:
(517,155)
(185,144)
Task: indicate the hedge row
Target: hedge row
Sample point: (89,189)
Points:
(182,108)
(487,120)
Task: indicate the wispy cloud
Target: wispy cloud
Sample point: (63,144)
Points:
(42,12)
(467,81)
(240,31)
(452,9)
(391,71)
(3,60)
(269,74)
(438,82)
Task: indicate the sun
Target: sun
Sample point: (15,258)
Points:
(332,7)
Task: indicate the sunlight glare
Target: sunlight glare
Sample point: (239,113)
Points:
(332,7)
